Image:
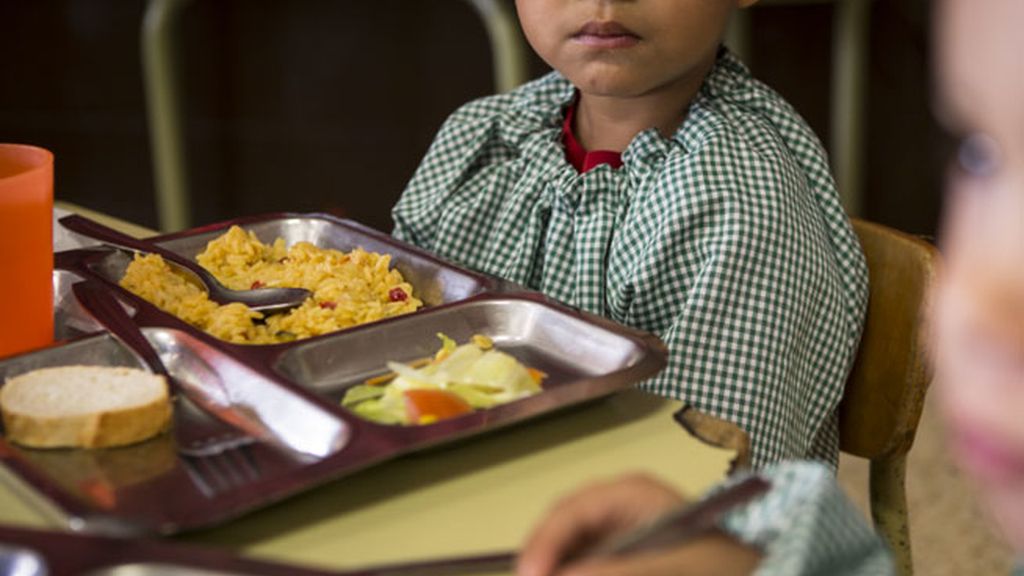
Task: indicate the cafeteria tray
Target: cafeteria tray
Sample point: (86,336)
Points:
(26,552)
(33,552)
(294,388)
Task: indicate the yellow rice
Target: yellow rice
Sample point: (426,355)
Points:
(348,288)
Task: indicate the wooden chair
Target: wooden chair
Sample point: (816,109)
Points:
(881,407)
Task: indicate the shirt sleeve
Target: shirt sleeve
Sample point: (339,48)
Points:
(751,272)
(806,526)
(464,141)
(753,307)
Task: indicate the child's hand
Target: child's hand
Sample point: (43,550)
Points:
(605,510)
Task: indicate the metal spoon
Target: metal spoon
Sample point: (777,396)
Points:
(232,424)
(235,420)
(266,300)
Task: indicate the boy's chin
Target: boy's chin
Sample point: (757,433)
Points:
(610,81)
(608,88)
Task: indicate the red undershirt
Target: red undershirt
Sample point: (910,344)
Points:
(581,159)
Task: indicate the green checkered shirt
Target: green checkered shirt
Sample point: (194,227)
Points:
(806,526)
(727,240)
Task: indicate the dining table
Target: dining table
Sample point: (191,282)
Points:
(473,496)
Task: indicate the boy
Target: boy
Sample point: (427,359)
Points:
(804,527)
(650,179)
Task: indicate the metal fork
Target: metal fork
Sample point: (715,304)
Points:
(221,465)
(216,455)
(203,435)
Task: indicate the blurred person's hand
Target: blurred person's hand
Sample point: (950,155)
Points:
(602,511)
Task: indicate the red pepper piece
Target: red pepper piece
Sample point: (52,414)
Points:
(328,305)
(257,284)
(396,294)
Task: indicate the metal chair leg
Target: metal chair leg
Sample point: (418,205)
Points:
(163,94)
(163,99)
(508,50)
(738,34)
(849,60)
(849,56)
(889,509)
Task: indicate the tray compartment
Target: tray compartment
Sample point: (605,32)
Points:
(98,349)
(565,345)
(293,421)
(69,319)
(435,282)
(151,486)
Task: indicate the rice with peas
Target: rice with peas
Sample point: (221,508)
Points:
(348,288)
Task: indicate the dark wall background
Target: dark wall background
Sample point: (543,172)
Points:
(328,105)
(902,158)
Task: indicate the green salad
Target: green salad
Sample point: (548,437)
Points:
(456,381)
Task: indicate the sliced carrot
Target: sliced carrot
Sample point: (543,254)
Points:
(423,406)
(537,375)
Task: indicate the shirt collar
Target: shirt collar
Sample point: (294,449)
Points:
(579,157)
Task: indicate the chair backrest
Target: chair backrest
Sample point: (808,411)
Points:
(881,407)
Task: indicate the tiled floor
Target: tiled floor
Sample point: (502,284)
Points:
(949,534)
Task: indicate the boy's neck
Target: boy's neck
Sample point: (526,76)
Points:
(611,123)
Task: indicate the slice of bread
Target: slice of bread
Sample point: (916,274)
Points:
(84,406)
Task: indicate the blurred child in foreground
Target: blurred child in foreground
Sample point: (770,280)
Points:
(651,179)
(805,526)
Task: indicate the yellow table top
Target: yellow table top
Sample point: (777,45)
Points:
(476,496)
(116,223)
(479,495)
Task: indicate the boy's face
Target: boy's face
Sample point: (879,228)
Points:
(979,305)
(626,48)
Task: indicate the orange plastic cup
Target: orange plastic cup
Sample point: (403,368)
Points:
(26,248)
